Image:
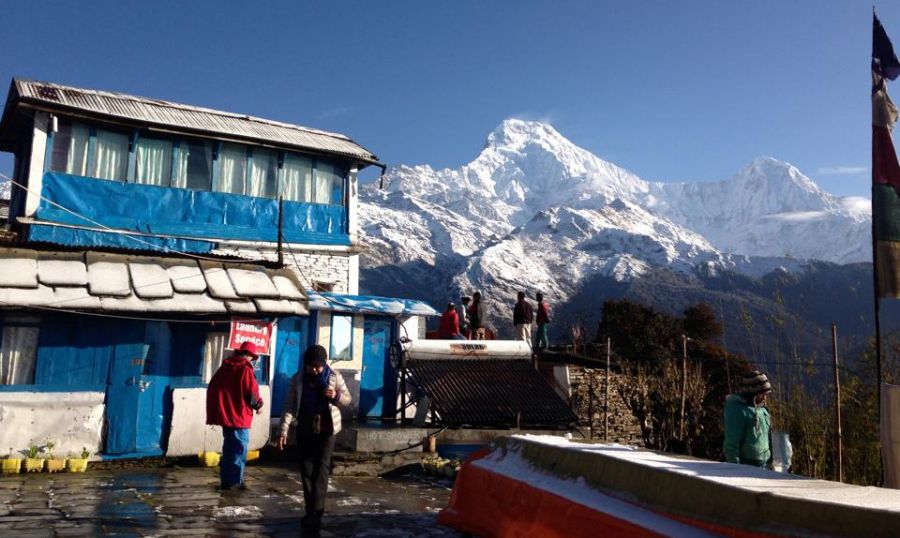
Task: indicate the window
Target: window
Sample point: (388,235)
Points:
(322,184)
(157,159)
(153,161)
(232,168)
(193,165)
(296,184)
(70,149)
(214,353)
(110,155)
(263,168)
(82,151)
(328,187)
(341,338)
(18,349)
(322,286)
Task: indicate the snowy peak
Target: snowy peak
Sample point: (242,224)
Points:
(767,173)
(515,134)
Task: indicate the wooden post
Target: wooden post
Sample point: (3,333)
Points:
(683,386)
(590,373)
(838,441)
(606,398)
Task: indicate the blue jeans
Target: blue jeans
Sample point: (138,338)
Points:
(541,340)
(234,456)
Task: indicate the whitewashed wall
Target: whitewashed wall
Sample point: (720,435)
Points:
(191,435)
(71,420)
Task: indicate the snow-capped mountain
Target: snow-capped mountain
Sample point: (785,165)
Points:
(5,187)
(769,208)
(533,211)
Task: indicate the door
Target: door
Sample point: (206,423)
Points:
(291,341)
(135,396)
(378,383)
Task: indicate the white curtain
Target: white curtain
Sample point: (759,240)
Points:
(262,173)
(213,354)
(179,170)
(297,179)
(232,168)
(193,166)
(153,162)
(17,355)
(76,162)
(111,156)
(323,174)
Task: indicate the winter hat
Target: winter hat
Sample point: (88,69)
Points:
(249,348)
(754,383)
(315,355)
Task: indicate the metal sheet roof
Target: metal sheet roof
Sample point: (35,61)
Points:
(180,117)
(368,304)
(490,393)
(126,283)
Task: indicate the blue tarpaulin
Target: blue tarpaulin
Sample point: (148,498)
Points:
(183,213)
(92,238)
(368,304)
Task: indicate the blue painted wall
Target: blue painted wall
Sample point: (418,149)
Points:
(184,213)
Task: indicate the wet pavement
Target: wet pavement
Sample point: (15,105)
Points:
(185,502)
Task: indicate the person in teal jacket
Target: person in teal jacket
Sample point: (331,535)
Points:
(747,422)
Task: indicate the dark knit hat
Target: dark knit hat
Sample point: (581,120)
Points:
(315,355)
(754,383)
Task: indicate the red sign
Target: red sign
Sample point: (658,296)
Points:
(250,330)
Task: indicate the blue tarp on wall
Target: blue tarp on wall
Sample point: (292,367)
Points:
(181,212)
(89,238)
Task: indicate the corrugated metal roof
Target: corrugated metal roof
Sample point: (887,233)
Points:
(490,393)
(362,304)
(185,117)
(125,283)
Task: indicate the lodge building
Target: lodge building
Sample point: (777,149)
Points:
(139,229)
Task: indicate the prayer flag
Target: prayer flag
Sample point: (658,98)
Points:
(885,168)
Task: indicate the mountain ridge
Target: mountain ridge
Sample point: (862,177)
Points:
(533,211)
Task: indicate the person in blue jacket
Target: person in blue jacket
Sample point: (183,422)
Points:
(747,422)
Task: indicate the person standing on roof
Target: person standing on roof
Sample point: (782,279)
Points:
(231,398)
(747,422)
(476,317)
(313,398)
(464,318)
(449,328)
(542,341)
(523,317)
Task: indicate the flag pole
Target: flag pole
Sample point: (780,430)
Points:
(875,290)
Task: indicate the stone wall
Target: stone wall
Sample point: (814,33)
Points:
(321,267)
(623,428)
(327,267)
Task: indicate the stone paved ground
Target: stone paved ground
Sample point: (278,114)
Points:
(185,502)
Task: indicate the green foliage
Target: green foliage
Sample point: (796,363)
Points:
(638,331)
(700,323)
(33,450)
(647,346)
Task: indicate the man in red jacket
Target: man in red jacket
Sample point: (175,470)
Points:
(231,398)
(449,328)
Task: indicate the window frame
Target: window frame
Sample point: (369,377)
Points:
(22,323)
(339,176)
(331,353)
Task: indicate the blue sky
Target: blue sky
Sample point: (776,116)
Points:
(674,91)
